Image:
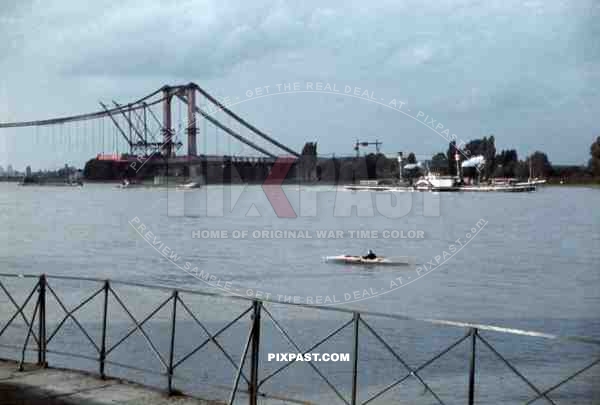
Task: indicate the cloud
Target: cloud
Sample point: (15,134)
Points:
(478,64)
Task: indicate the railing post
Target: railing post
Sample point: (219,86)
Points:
(104,319)
(472,367)
(172,347)
(42,322)
(355,359)
(254,361)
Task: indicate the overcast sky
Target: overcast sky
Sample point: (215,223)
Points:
(526,71)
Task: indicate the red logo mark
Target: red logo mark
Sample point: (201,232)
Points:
(274,192)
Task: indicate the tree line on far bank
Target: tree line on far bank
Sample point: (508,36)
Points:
(312,168)
(505,163)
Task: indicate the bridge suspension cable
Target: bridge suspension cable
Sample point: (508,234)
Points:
(244,122)
(129,126)
(73,118)
(228,130)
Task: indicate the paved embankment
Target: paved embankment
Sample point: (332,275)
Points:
(39,386)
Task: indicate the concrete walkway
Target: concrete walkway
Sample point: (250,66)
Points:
(38,386)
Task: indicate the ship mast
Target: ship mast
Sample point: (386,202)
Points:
(530,169)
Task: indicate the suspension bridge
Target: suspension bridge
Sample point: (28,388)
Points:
(169,130)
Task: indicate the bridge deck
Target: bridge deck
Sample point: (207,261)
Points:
(38,386)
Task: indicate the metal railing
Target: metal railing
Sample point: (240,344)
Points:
(252,344)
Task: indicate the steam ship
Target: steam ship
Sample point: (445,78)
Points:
(435,183)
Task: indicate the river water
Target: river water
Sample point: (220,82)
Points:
(521,260)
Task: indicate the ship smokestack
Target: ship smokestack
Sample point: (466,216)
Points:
(400,164)
(457,158)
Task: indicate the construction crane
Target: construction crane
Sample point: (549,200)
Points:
(358,144)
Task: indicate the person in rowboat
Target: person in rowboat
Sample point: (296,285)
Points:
(370,255)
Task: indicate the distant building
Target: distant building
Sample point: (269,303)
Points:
(10,171)
(28,171)
(66,171)
(1,171)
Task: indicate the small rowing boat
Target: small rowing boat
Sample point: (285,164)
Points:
(188,186)
(360,260)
